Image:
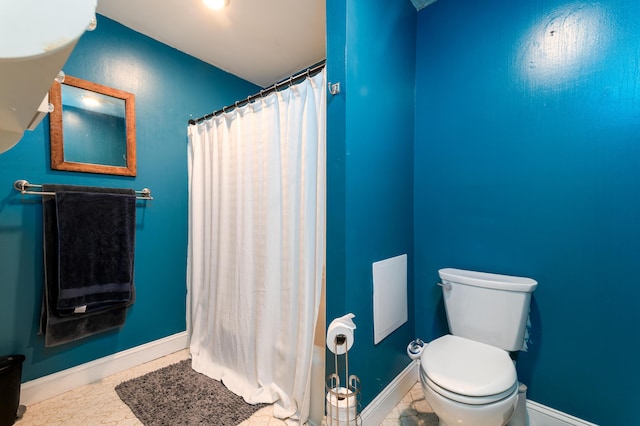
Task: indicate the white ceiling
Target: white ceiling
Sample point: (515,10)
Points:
(262,41)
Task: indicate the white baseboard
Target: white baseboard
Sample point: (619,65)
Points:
(54,384)
(385,402)
(540,415)
(391,395)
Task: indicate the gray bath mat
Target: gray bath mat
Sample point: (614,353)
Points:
(178,395)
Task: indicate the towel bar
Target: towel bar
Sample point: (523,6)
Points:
(23,186)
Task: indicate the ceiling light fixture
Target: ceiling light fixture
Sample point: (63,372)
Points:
(216,4)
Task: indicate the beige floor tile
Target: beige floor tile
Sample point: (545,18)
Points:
(99,404)
(413,410)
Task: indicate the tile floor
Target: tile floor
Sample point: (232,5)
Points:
(99,404)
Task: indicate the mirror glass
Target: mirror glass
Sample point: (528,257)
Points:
(92,128)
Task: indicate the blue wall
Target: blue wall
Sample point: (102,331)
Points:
(371,52)
(527,162)
(170,88)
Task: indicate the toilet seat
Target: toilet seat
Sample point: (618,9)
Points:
(467,371)
(471,400)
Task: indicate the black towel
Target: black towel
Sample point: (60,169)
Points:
(96,237)
(94,311)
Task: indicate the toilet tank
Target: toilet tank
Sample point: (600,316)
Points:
(487,308)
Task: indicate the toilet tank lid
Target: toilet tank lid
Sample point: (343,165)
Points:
(488,280)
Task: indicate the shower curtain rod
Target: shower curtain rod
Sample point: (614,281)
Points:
(295,78)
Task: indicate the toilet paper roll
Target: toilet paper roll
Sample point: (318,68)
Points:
(342,326)
(341,406)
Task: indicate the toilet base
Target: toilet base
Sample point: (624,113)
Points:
(452,413)
(520,416)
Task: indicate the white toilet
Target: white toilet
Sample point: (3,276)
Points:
(467,376)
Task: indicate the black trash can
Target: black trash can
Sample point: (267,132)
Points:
(10,376)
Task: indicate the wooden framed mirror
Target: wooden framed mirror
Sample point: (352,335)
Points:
(92,128)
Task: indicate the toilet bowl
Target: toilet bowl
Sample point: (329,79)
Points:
(468,376)
(467,382)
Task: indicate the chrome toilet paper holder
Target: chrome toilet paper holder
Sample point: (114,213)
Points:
(342,401)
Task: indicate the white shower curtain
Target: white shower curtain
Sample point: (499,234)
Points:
(257,184)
